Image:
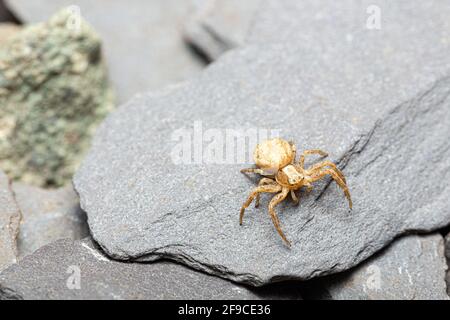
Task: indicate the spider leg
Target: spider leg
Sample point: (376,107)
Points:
(310,152)
(255,192)
(263,181)
(330,164)
(338,180)
(253,170)
(294,149)
(276,222)
(295,198)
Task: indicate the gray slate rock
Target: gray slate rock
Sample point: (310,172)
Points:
(412,268)
(143,41)
(382,122)
(221,25)
(50,273)
(9,223)
(47,216)
(447,254)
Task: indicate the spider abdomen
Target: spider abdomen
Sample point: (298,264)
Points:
(272,155)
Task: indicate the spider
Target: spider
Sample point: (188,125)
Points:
(275,161)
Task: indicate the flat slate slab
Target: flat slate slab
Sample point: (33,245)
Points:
(411,268)
(143,40)
(47,216)
(71,270)
(9,223)
(381,112)
(220,26)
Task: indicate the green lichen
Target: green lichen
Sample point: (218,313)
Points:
(54,91)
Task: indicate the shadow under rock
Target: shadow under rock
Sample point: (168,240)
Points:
(6,15)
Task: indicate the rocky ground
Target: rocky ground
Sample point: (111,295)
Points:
(137,225)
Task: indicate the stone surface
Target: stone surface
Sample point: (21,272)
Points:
(7,30)
(9,223)
(447,254)
(380,111)
(412,268)
(47,216)
(50,273)
(221,25)
(53,93)
(447,246)
(143,39)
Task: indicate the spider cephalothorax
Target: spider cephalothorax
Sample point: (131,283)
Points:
(275,160)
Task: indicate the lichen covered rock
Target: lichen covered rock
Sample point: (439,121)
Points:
(53,92)
(142,40)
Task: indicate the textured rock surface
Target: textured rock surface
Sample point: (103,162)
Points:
(48,215)
(447,254)
(49,274)
(143,39)
(221,25)
(412,268)
(9,223)
(365,107)
(53,93)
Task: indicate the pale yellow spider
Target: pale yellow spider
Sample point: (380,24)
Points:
(275,160)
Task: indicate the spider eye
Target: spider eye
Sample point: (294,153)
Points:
(294,180)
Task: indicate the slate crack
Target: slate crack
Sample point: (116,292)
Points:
(360,145)
(224,43)
(8,294)
(214,269)
(356,148)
